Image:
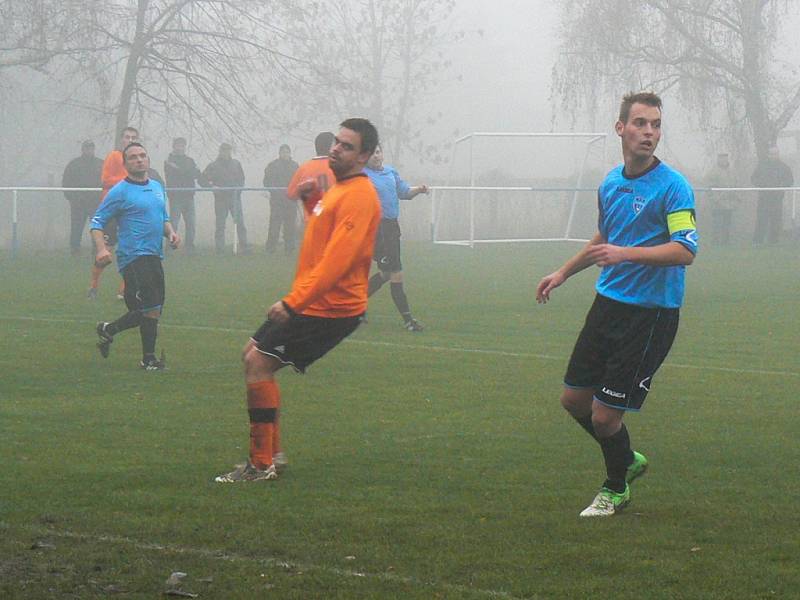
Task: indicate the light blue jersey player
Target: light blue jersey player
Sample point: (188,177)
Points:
(646,237)
(139,205)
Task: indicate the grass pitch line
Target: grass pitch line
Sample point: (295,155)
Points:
(417,347)
(219,555)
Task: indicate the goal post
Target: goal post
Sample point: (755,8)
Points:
(500,184)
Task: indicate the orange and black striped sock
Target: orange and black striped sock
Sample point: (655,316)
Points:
(276,431)
(263,399)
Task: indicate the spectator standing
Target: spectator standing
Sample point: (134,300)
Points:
(723,204)
(181,171)
(226,172)
(770,173)
(282,211)
(82,172)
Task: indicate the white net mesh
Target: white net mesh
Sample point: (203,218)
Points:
(520,187)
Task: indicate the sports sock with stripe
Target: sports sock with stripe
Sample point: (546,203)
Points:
(263,400)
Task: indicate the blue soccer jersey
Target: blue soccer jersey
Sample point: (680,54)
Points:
(391,189)
(141,211)
(652,209)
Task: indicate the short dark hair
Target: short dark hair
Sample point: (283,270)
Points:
(129,146)
(128,128)
(179,140)
(369,135)
(631,98)
(323,143)
(284,147)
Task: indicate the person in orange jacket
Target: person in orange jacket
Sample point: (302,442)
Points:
(113,172)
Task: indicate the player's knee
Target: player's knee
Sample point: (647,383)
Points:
(577,402)
(606,423)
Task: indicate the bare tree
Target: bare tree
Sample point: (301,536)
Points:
(34,32)
(376,58)
(715,53)
(204,63)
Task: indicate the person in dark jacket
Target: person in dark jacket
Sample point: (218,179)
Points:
(226,172)
(82,172)
(282,211)
(181,172)
(772,172)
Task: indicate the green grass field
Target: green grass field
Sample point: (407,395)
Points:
(432,465)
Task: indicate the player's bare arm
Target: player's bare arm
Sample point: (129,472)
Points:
(576,264)
(102,253)
(172,236)
(663,255)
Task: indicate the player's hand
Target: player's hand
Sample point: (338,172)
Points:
(606,254)
(277,313)
(103,258)
(548,284)
(308,188)
(174,240)
(423,189)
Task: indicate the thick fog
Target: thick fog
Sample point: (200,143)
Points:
(498,78)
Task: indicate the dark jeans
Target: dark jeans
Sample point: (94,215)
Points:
(769,221)
(282,214)
(182,205)
(225,203)
(722,219)
(80,211)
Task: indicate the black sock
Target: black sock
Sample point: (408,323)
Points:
(375,283)
(618,455)
(400,300)
(126,321)
(586,423)
(148,329)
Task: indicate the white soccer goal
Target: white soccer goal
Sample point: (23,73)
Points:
(519,187)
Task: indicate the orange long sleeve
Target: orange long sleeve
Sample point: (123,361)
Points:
(334,263)
(317,168)
(113,172)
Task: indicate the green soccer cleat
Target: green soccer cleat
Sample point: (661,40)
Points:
(608,503)
(637,468)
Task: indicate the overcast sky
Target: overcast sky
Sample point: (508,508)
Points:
(506,71)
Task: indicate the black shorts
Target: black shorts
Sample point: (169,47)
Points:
(303,339)
(144,284)
(619,350)
(387,246)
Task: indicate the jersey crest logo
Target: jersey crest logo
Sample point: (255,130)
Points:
(638,204)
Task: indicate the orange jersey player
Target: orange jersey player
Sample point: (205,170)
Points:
(327,299)
(316,169)
(113,172)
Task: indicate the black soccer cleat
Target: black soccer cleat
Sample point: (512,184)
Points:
(151,363)
(104,345)
(413,325)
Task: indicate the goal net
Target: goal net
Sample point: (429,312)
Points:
(520,187)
